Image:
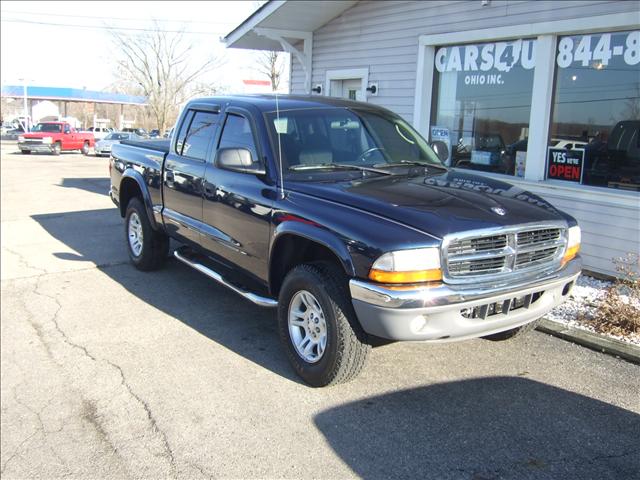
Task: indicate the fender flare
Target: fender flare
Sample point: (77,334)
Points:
(315,233)
(146,197)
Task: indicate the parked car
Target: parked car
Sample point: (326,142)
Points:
(341,216)
(141,132)
(55,137)
(155,133)
(12,133)
(614,162)
(482,151)
(103,147)
(100,132)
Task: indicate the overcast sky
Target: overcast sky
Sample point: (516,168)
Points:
(66,44)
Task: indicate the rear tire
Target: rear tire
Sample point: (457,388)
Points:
(85,148)
(148,248)
(338,351)
(513,333)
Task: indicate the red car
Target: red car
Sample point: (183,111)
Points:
(54,137)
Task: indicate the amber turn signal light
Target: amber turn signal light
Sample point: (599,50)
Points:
(417,276)
(571,253)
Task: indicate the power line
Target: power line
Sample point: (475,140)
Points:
(106,27)
(230,24)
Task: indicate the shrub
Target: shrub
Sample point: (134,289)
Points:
(619,311)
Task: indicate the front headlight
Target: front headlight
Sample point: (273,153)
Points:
(407,266)
(47,140)
(573,244)
(21,139)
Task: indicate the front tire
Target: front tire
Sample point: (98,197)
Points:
(147,248)
(56,149)
(85,148)
(513,333)
(318,326)
(25,152)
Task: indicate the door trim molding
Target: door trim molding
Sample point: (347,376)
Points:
(348,74)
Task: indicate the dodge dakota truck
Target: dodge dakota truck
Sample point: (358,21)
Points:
(340,215)
(55,137)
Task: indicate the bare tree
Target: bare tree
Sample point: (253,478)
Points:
(271,64)
(161,66)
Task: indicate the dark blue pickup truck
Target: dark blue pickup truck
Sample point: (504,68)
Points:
(341,215)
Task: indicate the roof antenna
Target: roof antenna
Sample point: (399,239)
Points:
(278,126)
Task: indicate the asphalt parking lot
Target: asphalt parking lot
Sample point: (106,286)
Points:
(108,372)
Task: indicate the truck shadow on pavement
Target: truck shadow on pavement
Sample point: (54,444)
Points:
(99,185)
(177,290)
(481,429)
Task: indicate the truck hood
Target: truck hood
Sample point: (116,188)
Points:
(440,203)
(39,134)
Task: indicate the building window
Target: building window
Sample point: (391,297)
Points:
(483,103)
(595,129)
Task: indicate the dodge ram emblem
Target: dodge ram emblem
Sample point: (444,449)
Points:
(499,210)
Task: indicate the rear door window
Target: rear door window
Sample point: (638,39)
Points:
(200,133)
(183,131)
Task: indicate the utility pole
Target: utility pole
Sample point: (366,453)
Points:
(25,105)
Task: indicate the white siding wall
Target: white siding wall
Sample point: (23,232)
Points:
(383,37)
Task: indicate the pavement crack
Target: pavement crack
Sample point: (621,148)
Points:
(200,469)
(168,452)
(54,320)
(617,455)
(169,455)
(17,451)
(24,261)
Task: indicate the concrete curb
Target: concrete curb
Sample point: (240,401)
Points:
(591,340)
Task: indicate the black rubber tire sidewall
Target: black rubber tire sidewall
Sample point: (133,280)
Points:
(56,149)
(334,302)
(85,148)
(154,244)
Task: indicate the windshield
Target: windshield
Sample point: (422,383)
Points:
(360,138)
(47,127)
(117,136)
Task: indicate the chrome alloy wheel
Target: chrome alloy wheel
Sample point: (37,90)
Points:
(307,326)
(135,234)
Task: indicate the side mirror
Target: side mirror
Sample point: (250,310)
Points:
(441,149)
(238,160)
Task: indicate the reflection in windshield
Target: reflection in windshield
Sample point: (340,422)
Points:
(347,137)
(47,127)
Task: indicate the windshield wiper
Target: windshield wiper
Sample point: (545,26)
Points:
(337,166)
(403,163)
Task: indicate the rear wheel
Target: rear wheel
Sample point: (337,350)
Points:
(56,149)
(318,327)
(147,247)
(513,333)
(85,148)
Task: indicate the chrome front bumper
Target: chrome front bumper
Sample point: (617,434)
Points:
(436,313)
(36,147)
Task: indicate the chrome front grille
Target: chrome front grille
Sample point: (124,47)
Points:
(481,244)
(518,249)
(532,237)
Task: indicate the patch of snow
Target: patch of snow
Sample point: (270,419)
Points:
(585,297)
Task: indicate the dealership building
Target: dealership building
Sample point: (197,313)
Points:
(543,94)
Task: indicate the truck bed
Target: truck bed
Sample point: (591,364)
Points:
(158,145)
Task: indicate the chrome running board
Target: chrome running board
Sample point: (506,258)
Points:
(252,297)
